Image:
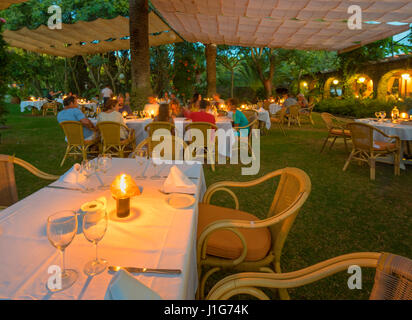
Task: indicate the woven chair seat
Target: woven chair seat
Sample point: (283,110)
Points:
(226,244)
(340,132)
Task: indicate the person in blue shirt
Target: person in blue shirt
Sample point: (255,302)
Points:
(239,119)
(71,112)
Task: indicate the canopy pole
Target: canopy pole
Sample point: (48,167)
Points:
(139,53)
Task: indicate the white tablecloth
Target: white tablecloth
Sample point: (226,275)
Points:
(274,108)
(37,104)
(403,131)
(264,116)
(90,105)
(157,236)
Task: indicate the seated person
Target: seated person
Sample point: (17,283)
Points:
(122,105)
(202,115)
(303,103)
(218,101)
(289,101)
(109,113)
(239,119)
(71,112)
(51,95)
(194,104)
(175,109)
(152,106)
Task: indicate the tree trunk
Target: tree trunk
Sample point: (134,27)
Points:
(267,83)
(211,53)
(140,53)
(74,75)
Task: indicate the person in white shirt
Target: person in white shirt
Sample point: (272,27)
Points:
(152,106)
(106,93)
(110,114)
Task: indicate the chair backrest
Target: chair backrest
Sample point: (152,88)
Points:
(362,135)
(294,110)
(250,115)
(110,132)
(294,187)
(8,188)
(73,131)
(151,129)
(328,119)
(176,152)
(203,127)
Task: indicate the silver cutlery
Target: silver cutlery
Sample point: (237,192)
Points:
(145,270)
(84,190)
(167,193)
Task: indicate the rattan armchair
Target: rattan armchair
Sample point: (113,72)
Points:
(293,115)
(230,239)
(366,149)
(207,130)
(336,129)
(76,145)
(279,119)
(151,129)
(393,277)
(306,113)
(50,106)
(253,124)
(175,152)
(111,142)
(8,188)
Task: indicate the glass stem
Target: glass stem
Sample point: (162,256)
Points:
(96,251)
(62,260)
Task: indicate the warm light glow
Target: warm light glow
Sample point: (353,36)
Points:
(152,112)
(335,82)
(124,114)
(361,79)
(404,115)
(123,187)
(406,76)
(122,184)
(305,84)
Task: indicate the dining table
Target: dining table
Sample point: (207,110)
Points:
(274,108)
(402,129)
(38,104)
(155,235)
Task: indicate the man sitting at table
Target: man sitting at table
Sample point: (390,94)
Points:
(152,106)
(71,112)
(111,114)
(202,115)
(289,101)
(239,119)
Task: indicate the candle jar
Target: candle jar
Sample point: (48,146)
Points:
(123,188)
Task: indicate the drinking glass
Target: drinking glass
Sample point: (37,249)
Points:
(383,115)
(104,163)
(61,229)
(378,115)
(140,156)
(88,167)
(94,229)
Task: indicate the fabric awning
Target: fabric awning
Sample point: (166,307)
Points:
(4,4)
(87,37)
(291,24)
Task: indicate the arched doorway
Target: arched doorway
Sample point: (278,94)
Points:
(333,88)
(362,86)
(396,84)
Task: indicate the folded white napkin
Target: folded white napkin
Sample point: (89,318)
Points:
(73,175)
(178,182)
(124,286)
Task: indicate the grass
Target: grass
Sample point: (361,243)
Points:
(345,212)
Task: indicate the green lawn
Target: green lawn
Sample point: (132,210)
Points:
(345,212)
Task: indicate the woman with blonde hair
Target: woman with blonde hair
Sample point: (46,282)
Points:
(110,113)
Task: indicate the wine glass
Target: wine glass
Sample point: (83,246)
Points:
(88,167)
(155,169)
(378,114)
(94,229)
(61,229)
(383,115)
(104,163)
(140,156)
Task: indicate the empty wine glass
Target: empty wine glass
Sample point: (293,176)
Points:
(383,115)
(155,169)
(378,114)
(140,156)
(104,163)
(61,229)
(88,167)
(94,229)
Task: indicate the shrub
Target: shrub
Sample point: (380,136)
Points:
(358,108)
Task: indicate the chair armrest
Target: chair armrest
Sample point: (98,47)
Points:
(245,127)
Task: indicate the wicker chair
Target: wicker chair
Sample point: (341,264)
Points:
(279,119)
(8,194)
(151,128)
(253,124)
(210,155)
(50,106)
(176,152)
(336,129)
(365,149)
(111,142)
(76,145)
(239,241)
(307,113)
(293,116)
(393,277)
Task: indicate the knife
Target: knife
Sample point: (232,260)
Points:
(65,188)
(145,270)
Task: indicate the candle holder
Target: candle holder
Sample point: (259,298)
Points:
(123,188)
